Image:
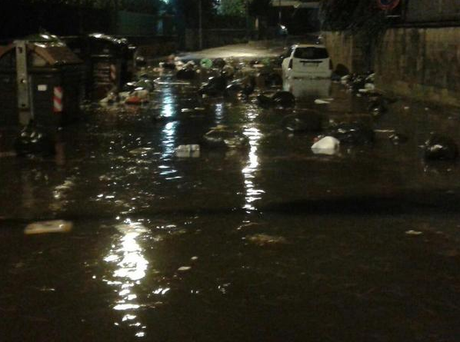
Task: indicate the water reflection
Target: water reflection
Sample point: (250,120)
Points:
(127,255)
(168,135)
(249,172)
(305,88)
(219,111)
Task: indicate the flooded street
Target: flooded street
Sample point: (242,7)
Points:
(264,242)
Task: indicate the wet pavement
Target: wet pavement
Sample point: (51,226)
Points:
(264,243)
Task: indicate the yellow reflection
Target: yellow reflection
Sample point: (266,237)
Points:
(130,268)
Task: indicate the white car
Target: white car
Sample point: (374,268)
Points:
(307,61)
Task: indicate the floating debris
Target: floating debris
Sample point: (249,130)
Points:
(413,232)
(439,147)
(45,227)
(321,101)
(8,154)
(188,151)
(327,145)
(184,268)
(264,239)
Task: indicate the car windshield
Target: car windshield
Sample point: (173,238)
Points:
(311,53)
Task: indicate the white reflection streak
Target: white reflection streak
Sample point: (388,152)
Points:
(219,113)
(169,144)
(249,172)
(131,266)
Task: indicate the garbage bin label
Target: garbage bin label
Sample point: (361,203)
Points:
(57,99)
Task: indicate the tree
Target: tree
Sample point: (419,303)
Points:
(236,8)
(354,15)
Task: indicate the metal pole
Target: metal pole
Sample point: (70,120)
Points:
(279,12)
(23,83)
(247,20)
(200,25)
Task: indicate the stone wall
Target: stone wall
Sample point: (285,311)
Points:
(422,63)
(346,50)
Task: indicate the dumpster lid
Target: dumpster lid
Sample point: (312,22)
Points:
(109,39)
(121,44)
(53,53)
(44,39)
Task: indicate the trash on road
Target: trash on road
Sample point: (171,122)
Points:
(352,133)
(327,145)
(439,147)
(283,99)
(215,86)
(398,138)
(45,227)
(221,137)
(321,101)
(265,239)
(33,140)
(8,154)
(188,151)
(184,268)
(206,63)
(413,232)
(310,122)
(244,86)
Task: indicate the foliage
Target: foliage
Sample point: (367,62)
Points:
(239,7)
(354,15)
(362,17)
(235,8)
(142,6)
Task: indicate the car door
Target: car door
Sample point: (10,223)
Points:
(286,61)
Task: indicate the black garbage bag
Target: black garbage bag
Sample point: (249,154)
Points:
(244,86)
(283,99)
(33,141)
(311,122)
(378,105)
(272,79)
(218,63)
(216,86)
(439,147)
(186,74)
(398,138)
(352,133)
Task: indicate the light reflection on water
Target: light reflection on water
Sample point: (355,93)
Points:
(127,255)
(305,88)
(169,135)
(252,166)
(219,113)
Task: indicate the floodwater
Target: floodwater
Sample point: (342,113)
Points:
(266,243)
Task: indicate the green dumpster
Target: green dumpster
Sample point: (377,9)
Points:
(55,79)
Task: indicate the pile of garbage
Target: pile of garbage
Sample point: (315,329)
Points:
(359,83)
(132,93)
